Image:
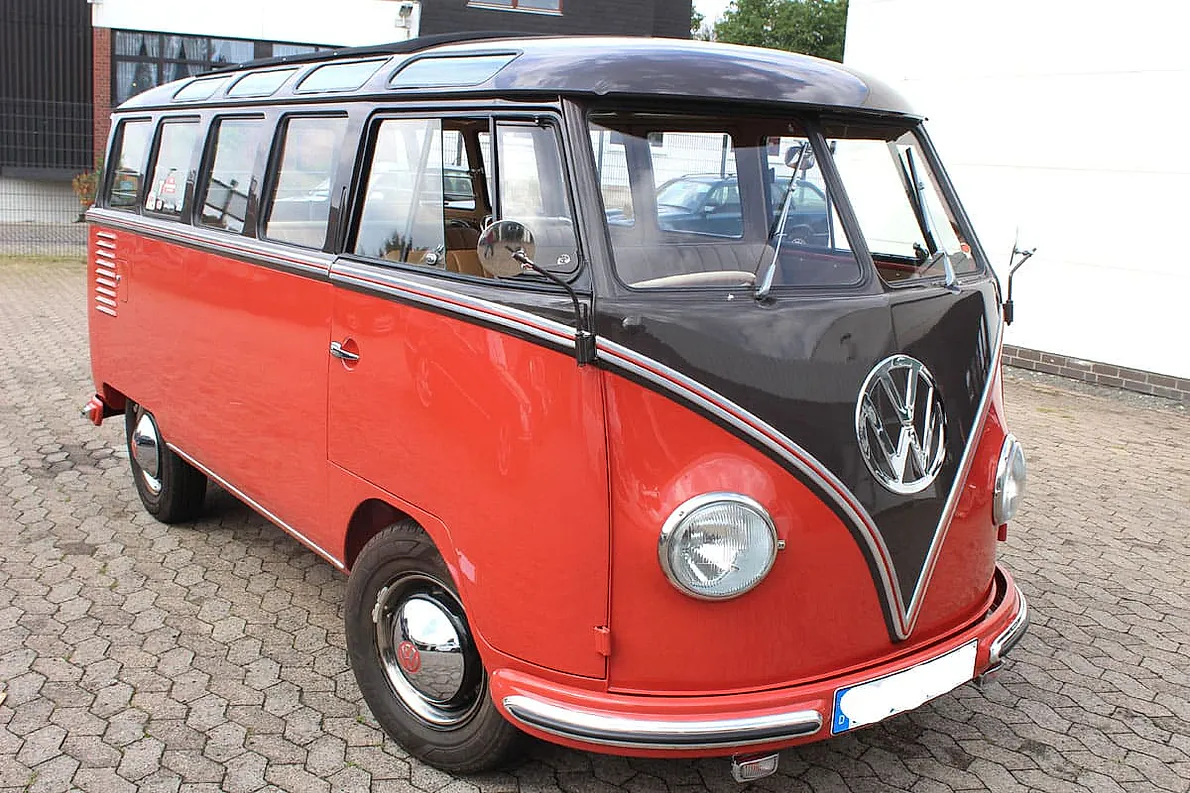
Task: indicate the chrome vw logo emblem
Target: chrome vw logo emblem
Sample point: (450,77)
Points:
(901,425)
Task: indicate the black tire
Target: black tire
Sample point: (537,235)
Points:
(800,235)
(481,739)
(180,487)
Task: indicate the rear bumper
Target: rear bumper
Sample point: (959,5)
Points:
(721,725)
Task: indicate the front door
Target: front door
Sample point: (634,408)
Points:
(464,399)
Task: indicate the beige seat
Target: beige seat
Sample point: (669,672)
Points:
(461,254)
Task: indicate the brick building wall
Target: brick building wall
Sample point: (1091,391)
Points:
(1099,373)
(101,58)
(669,18)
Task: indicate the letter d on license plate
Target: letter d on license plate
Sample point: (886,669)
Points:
(870,702)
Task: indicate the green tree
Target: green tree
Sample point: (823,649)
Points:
(814,27)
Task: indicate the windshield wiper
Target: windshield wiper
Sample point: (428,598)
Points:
(916,190)
(764,280)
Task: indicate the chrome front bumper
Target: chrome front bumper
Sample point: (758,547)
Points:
(660,726)
(610,730)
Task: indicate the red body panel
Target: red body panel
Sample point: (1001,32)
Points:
(502,440)
(816,613)
(232,359)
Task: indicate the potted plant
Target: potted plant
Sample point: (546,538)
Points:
(85,186)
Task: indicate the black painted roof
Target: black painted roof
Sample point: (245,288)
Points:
(601,66)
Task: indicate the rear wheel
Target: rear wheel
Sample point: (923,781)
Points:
(171,489)
(414,657)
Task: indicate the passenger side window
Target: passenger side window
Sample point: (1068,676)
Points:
(402,218)
(175,148)
(425,199)
(458,192)
(225,195)
(533,191)
(301,200)
(127,173)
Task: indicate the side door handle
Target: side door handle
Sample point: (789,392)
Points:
(346,355)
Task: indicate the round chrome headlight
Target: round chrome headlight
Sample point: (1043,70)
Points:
(718,546)
(1011,473)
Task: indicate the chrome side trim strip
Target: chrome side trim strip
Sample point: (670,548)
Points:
(390,282)
(235,491)
(1013,633)
(611,730)
(269,254)
(957,487)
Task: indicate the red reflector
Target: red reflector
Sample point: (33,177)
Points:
(1002,532)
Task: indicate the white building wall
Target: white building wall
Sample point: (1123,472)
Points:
(345,23)
(1069,119)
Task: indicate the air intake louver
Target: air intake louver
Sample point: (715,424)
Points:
(107,277)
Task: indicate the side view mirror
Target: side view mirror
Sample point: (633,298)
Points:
(499,246)
(1025,255)
(506,249)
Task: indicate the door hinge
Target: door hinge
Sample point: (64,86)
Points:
(603,641)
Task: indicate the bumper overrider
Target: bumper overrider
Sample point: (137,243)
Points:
(724,724)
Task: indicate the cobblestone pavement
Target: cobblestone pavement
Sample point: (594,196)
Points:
(211,656)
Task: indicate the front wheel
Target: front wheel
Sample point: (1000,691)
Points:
(171,489)
(414,657)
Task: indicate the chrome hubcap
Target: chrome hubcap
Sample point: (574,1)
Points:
(426,651)
(146,449)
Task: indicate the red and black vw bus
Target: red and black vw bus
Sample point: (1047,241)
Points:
(648,390)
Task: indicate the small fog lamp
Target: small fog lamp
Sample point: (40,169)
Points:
(717,546)
(1010,481)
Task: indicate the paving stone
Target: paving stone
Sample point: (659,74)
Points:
(210,657)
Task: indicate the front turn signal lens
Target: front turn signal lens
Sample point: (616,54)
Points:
(1011,474)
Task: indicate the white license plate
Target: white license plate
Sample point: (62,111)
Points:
(870,702)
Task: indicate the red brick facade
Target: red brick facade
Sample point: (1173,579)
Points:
(101,57)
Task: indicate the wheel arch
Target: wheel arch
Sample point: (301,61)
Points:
(371,517)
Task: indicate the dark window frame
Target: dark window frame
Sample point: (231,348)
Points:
(206,170)
(184,211)
(268,190)
(116,148)
(514,5)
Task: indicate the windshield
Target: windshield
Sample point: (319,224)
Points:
(694,200)
(899,204)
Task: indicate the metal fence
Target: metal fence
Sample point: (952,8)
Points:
(44,145)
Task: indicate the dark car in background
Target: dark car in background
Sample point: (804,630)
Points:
(710,204)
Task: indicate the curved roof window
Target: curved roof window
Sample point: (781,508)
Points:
(260,83)
(339,76)
(200,89)
(448,71)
